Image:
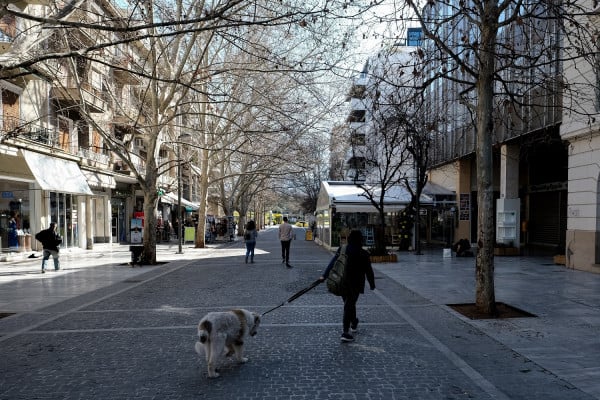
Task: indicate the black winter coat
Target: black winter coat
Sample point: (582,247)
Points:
(50,240)
(358,268)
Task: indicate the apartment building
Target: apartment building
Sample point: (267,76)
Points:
(58,118)
(580,129)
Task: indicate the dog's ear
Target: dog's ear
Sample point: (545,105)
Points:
(256,318)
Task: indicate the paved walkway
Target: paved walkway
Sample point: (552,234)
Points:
(100,329)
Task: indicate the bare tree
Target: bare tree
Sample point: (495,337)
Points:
(308,182)
(379,147)
(177,55)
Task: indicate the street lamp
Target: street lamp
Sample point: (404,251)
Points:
(180,224)
(181,138)
(20,214)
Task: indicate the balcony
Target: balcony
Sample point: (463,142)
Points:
(128,115)
(93,159)
(122,70)
(122,167)
(82,96)
(357,91)
(358,139)
(356,116)
(21,4)
(14,128)
(166,181)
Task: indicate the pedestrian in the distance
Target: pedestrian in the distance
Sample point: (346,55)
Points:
(51,241)
(250,239)
(357,268)
(13,235)
(285,236)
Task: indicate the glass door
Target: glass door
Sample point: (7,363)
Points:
(118,220)
(63,211)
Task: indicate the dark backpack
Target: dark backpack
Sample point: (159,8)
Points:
(247,236)
(336,280)
(41,236)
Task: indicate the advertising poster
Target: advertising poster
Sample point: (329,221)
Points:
(136,230)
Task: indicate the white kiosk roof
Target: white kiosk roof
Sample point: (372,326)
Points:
(348,197)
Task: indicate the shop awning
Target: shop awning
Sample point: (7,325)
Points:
(99,180)
(171,198)
(56,174)
(367,208)
(348,197)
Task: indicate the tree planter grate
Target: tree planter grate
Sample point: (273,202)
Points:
(502,311)
(6,314)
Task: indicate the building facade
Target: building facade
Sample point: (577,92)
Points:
(55,163)
(545,183)
(581,131)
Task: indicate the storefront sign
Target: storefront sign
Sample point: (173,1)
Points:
(7,195)
(548,187)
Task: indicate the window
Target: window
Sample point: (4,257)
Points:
(357,116)
(358,91)
(414,36)
(139,143)
(357,139)
(358,163)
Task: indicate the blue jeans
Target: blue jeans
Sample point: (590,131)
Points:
(47,254)
(250,250)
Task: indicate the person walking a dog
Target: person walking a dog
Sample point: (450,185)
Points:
(250,239)
(285,237)
(50,241)
(357,268)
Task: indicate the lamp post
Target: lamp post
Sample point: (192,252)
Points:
(20,214)
(183,138)
(180,224)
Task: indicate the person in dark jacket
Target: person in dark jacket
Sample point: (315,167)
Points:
(13,236)
(463,248)
(250,239)
(357,269)
(50,242)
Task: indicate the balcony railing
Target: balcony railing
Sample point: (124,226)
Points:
(123,69)
(14,128)
(93,156)
(17,128)
(71,92)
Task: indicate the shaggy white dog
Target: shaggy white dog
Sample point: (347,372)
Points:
(219,331)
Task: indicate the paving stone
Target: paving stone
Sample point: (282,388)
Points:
(134,338)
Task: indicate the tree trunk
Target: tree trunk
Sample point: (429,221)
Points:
(417,218)
(201,232)
(380,247)
(485,296)
(149,237)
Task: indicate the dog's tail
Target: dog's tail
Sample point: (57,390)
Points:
(204,330)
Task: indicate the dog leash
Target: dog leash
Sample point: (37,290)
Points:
(295,296)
